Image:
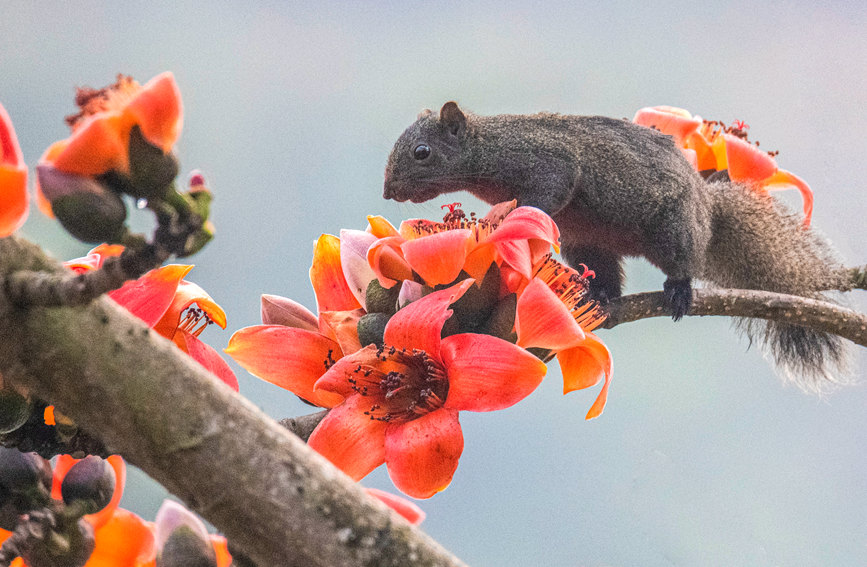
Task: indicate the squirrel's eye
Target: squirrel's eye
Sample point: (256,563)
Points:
(421,151)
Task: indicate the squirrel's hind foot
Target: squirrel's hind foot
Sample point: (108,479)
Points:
(678,296)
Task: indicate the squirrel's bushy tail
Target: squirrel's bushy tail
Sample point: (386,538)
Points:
(759,244)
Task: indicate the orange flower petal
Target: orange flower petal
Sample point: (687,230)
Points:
(746,162)
(422,455)
(380,227)
(670,120)
(326,275)
(205,355)
(542,320)
(438,258)
(157,109)
(290,358)
(410,512)
(386,259)
(583,366)
(705,158)
(221,549)
(486,373)
(782,179)
(125,539)
(354,245)
(343,327)
(186,294)
(150,296)
(352,441)
(336,379)
(527,223)
(14,200)
(419,324)
(98,146)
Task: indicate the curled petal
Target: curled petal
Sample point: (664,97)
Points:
(290,358)
(527,223)
(542,320)
(386,259)
(583,366)
(157,110)
(486,373)
(353,258)
(704,155)
(150,296)
(186,294)
(326,275)
(352,441)
(278,310)
(518,255)
(499,211)
(419,324)
(380,227)
(422,455)
(746,162)
(782,179)
(438,258)
(670,120)
(205,355)
(410,512)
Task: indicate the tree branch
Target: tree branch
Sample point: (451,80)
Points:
(812,313)
(268,492)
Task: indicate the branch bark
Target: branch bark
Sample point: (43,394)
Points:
(268,492)
(812,313)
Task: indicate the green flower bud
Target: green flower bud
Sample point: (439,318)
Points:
(371,328)
(67,544)
(90,481)
(185,548)
(378,299)
(501,323)
(151,172)
(14,410)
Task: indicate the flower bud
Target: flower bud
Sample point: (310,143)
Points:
(378,299)
(25,474)
(14,410)
(67,544)
(90,481)
(151,171)
(371,328)
(185,548)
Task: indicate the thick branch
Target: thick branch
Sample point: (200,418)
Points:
(818,315)
(268,492)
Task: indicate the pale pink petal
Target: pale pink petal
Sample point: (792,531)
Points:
(409,291)
(542,320)
(422,455)
(486,373)
(277,310)
(353,257)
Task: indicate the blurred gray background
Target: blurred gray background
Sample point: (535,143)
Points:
(703,456)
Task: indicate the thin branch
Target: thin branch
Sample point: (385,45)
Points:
(812,313)
(271,495)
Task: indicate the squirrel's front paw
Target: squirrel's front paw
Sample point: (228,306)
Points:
(678,296)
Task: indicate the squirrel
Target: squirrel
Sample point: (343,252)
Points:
(619,189)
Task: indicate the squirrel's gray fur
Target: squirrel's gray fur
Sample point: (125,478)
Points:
(618,189)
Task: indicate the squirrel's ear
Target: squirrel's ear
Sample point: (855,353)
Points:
(452,118)
(424,113)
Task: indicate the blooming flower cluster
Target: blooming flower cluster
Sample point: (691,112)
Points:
(712,146)
(419,323)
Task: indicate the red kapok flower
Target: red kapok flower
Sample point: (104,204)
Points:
(713,146)
(554,313)
(14,201)
(402,399)
(101,130)
(164,301)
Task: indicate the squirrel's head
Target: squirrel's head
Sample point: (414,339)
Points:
(425,161)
